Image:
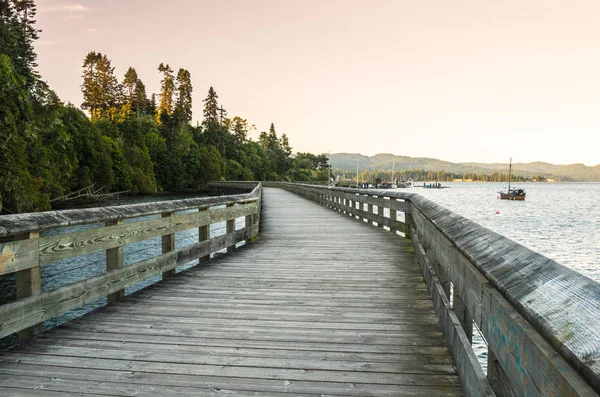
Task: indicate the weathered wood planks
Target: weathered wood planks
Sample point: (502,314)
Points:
(539,318)
(317,305)
(25,255)
(33,310)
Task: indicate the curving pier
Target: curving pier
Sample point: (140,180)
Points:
(317,303)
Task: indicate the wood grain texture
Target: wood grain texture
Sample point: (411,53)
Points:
(319,304)
(115,259)
(35,309)
(18,255)
(68,245)
(29,284)
(168,244)
(11,225)
(203,235)
(559,303)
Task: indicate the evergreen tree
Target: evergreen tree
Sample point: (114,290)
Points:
(211,108)
(129,88)
(151,109)
(17,35)
(140,100)
(110,89)
(91,87)
(167,88)
(102,93)
(272,140)
(183,106)
(240,130)
(263,140)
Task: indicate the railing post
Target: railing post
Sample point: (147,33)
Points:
(441,274)
(203,235)
(408,220)
(393,219)
(29,283)
(497,378)
(115,260)
(380,212)
(248,224)
(370,214)
(463,315)
(168,244)
(230,228)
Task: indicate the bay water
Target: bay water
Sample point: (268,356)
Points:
(558,220)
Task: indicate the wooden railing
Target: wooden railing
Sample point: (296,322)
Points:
(24,250)
(540,320)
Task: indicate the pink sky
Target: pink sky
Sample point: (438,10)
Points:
(463,80)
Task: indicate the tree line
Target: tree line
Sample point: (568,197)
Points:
(422,175)
(131,141)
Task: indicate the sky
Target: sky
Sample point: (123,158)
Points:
(461,80)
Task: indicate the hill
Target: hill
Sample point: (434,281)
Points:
(383,162)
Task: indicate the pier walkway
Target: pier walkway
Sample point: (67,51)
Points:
(319,305)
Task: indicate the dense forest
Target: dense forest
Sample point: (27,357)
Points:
(130,141)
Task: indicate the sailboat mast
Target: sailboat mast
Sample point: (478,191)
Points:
(357,176)
(509,173)
(393,170)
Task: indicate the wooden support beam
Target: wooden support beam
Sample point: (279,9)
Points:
(409,223)
(29,283)
(380,211)
(463,315)
(203,235)
(249,220)
(230,228)
(497,378)
(115,260)
(394,218)
(168,245)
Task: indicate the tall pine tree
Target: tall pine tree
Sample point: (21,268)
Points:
(129,84)
(167,88)
(211,108)
(102,93)
(183,106)
(140,100)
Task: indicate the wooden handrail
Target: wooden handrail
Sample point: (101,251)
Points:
(11,225)
(540,319)
(28,252)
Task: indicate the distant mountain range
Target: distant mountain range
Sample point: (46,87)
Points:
(383,161)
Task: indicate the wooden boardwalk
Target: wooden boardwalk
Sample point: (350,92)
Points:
(320,305)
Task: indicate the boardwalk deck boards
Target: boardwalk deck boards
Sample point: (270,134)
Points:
(319,305)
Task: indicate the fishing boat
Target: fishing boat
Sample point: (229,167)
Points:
(511,194)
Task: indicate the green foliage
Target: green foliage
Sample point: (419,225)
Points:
(167,89)
(183,105)
(19,189)
(102,93)
(49,149)
(211,108)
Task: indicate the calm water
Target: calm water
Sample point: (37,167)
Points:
(558,220)
(72,270)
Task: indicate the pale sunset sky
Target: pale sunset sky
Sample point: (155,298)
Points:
(462,80)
